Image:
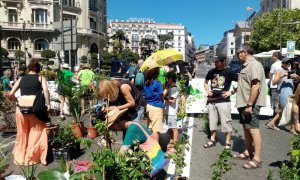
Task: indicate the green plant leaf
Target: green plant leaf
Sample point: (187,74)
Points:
(50,175)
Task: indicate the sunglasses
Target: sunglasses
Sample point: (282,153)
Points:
(239,52)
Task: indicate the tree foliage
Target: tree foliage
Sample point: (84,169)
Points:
(119,38)
(48,53)
(128,55)
(94,60)
(148,46)
(265,35)
(4,52)
(164,39)
(19,54)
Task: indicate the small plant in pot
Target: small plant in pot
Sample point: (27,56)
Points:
(64,143)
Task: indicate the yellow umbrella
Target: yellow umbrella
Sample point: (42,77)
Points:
(161,58)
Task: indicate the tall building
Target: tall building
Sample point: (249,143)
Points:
(270,5)
(226,47)
(35,25)
(136,29)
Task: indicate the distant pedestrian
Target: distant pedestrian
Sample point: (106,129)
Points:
(153,92)
(64,86)
(218,100)
(285,88)
(6,85)
(276,58)
(171,94)
(251,96)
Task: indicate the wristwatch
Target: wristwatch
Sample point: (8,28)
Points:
(249,105)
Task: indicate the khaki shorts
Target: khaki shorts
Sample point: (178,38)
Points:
(155,118)
(220,111)
(251,121)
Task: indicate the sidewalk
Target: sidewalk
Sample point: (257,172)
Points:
(275,149)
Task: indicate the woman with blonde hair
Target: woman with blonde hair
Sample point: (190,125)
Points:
(122,94)
(32,141)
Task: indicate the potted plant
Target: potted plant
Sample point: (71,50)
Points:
(64,143)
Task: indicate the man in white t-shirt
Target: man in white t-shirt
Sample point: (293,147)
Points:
(276,58)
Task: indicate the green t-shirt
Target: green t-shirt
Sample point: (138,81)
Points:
(66,75)
(86,77)
(134,132)
(161,76)
(5,84)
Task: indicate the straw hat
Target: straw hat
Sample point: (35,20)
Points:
(114,115)
(65,66)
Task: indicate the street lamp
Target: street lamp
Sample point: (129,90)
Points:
(24,34)
(280,31)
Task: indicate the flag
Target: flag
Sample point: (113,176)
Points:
(249,9)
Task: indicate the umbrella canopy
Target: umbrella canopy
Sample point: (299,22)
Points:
(161,58)
(270,53)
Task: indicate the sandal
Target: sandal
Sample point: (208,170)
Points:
(272,126)
(253,164)
(227,146)
(210,143)
(242,156)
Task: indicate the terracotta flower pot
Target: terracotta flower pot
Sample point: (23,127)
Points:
(92,132)
(76,128)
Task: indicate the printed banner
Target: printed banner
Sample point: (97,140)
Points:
(196,101)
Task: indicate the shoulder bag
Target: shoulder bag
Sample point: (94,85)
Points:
(153,152)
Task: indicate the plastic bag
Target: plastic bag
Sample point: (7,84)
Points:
(286,117)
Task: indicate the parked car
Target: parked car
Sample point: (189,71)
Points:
(235,65)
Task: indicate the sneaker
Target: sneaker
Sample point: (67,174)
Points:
(271,126)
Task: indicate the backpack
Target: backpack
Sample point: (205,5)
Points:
(131,72)
(139,79)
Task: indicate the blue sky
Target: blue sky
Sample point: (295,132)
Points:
(205,19)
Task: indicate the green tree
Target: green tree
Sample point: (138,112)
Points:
(128,55)
(119,38)
(83,59)
(148,46)
(48,53)
(94,60)
(19,54)
(164,39)
(265,34)
(4,52)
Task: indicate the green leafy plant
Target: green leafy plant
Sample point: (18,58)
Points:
(50,74)
(63,138)
(270,175)
(222,165)
(179,157)
(291,169)
(84,59)
(3,160)
(48,53)
(28,171)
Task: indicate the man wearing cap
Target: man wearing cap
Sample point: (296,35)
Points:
(64,84)
(218,100)
(251,96)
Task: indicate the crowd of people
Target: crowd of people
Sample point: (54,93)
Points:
(250,97)
(155,96)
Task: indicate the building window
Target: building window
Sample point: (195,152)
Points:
(231,43)
(93,5)
(135,37)
(13,44)
(231,51)
(149,36)
(69,2)
(12,15)
(93,24)
(39,16)
(41,44)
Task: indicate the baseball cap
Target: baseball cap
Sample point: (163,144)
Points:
(286,59)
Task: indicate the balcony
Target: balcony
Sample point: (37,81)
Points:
(28,26)
(91,32)
(72,7)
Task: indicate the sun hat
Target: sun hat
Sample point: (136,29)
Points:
(114,115)
(65,66)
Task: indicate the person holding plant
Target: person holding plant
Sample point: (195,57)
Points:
(64,86)
(32,140)
(153,91)
(171,94)
(122,94)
